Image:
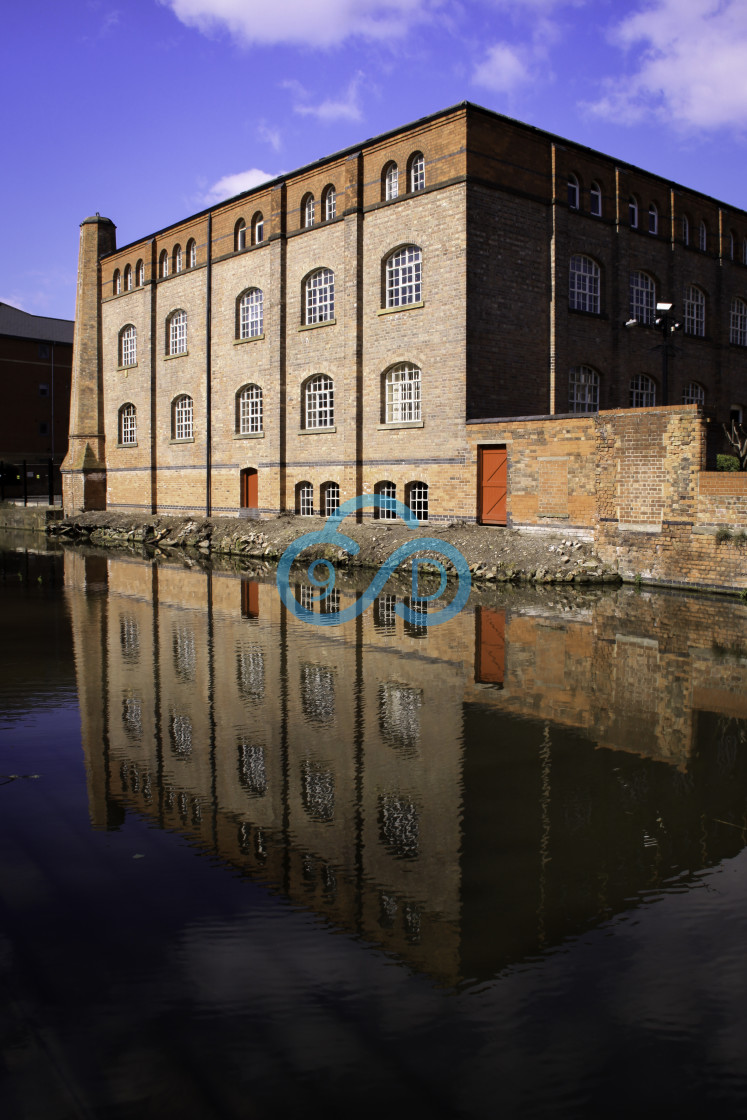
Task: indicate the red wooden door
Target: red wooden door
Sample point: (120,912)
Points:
(249,489)
(493,485)
(490,646)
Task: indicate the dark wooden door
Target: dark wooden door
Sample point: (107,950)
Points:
(493,485)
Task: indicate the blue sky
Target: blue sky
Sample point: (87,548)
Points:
(148,110)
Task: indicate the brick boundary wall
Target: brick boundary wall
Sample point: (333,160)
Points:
(633,481)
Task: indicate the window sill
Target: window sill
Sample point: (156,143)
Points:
(187,439)
(401,424)
(313,326)
(402,307)
(254,338)
(170,357)
(126,446)
(124,369)
(249,435)
(317,431)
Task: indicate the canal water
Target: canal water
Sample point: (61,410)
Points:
(252,867)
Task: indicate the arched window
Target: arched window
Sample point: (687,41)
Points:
(329,203)
(693,394)
(177,256)
(128,346)
(308,210)
(191,253)
(583,292)
(642,298)
(330,498)
(249,410)
(139,274)
(305,499)
(685,230)
(642,392)
(633,212)
(239,235)
(404,275)
(258,229)
(251,314)
(116,282)
(595,200)
(127,425)
(653,218)
(583,389)
(416,497)
(319,296)
(386,510)
(319,402)
(177,332)
(573,193)
(738,323)
(163,263)
(694,311)
(402,394)
(702,237)
(182,418)
(390,179)
(128,278)
(416,176)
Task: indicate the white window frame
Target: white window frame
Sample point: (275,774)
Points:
(305,499)
(642,391)
(128,346)
(240,235)
(192,253)
(140,273)
(633,212)
(402,394)
(320,296)
(330,204)
(319,402)
(177,259)
(738,322)
(127,425)
(595,200)
(128,278)
(331,491)
(251,314)
(309,211)
(184,427)
(404,277)
(702,237)
(694,309)
(249,411)
(258,229)
(117,282)
(574,194)
(417,172)
(388,491)
(653,219)
(163,264)
(693,393)
(417,499)
(583,389)
(584,284)
(642,298)
(391,181)
(178,332)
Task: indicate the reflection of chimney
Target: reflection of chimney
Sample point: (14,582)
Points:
(84,467)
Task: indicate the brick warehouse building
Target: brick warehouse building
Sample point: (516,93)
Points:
(330,333)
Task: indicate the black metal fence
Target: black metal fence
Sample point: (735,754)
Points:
(31,483)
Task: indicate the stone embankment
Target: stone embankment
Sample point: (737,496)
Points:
(494,554)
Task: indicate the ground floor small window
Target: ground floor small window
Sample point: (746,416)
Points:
(642,392)
(305,499)
(416,497)
(386,510)
(330,498)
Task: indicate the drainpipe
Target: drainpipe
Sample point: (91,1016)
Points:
(208,388)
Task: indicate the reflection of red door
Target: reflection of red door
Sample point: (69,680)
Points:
(493,485)
(249,489)
(490,646)
(249,598)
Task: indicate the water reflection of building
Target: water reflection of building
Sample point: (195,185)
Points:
(441,794)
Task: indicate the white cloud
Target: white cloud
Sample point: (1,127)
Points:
(503,70)
(690,65)
(230,185)
(345,108)
(270,136)
(264,22)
